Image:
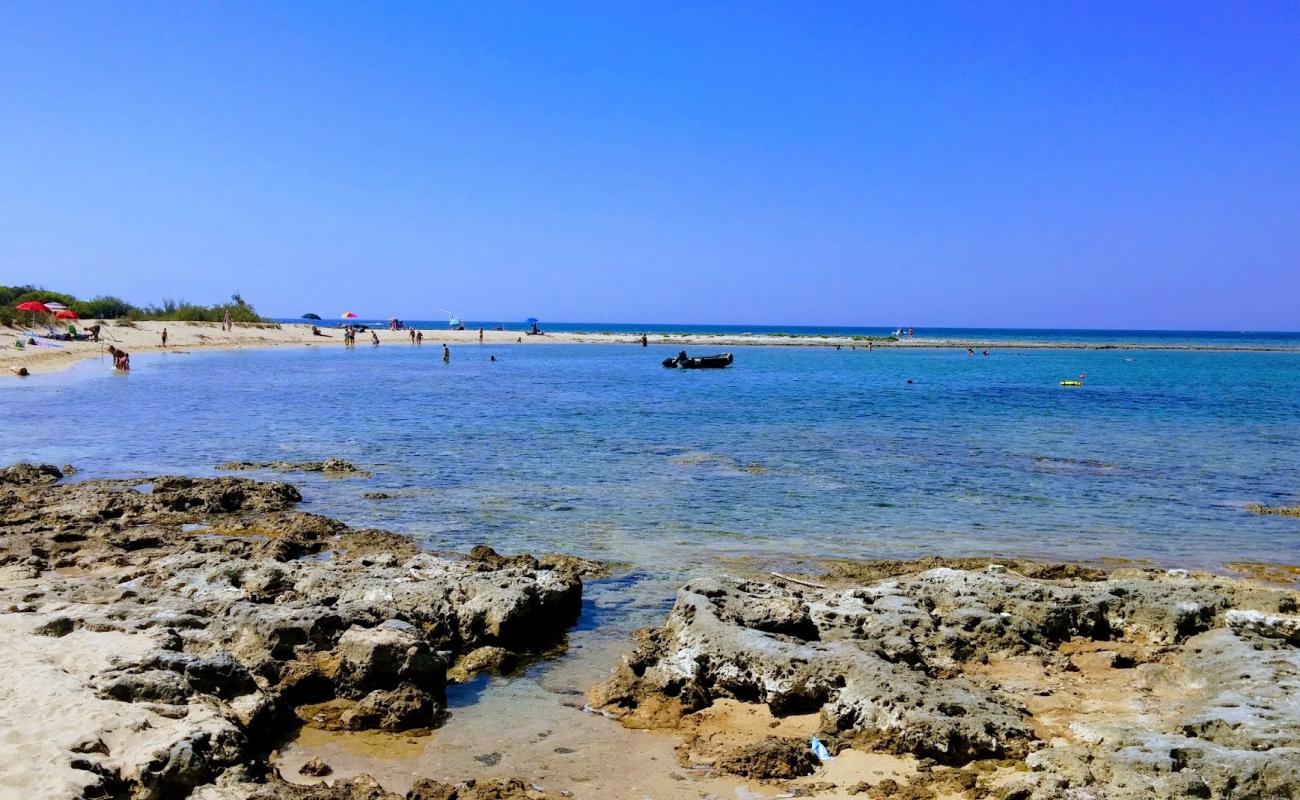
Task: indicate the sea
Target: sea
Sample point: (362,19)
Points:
(791,457)
(791,453)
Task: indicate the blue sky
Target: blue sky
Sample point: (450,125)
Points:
(1050,164)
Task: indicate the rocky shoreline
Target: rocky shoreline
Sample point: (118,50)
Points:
(160,638)
(170,630)
(987,682)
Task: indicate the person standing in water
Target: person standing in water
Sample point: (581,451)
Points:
(446,354)
(374,339)
(419,337)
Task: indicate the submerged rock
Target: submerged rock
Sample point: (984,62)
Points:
(334,465)
(364,787)
(771,758)
(316,768)
(30,474)
(1281,511)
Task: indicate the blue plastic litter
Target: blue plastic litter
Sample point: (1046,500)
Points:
(820,750)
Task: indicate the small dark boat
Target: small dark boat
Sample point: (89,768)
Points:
(699,362)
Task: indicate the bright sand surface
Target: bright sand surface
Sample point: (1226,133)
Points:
(143,337)
(138,337)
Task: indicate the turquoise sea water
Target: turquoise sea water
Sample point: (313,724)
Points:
(598,450)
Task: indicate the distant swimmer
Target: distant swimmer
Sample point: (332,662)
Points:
(986,353)
(493,358)
(970,352)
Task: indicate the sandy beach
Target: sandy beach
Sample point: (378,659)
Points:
(144,337)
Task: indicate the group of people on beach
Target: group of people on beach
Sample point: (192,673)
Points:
(350,337)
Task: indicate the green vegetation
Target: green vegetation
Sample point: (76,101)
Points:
(107,307)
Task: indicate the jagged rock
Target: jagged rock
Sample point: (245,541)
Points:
(200,628)
(335,465)
(490,659)
(364,787)
(772,758)
(316,768)
(401,709)
(382,657)
(482,554)
(908,665)
(56,627)
(498,789)
(30,474)
(150,686)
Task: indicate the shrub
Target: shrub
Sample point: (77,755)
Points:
(109,307)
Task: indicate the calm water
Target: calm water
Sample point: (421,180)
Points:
(792,453)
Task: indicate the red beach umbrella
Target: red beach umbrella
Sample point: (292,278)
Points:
(66,313)
(32,305)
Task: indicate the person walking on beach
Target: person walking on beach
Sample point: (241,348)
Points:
(164,337)
(412,335)
(225,321)
(480,336)
(446,354)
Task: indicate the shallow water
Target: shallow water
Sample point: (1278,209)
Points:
(791,454)
(598,450)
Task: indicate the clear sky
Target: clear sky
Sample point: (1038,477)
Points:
(1050,164)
